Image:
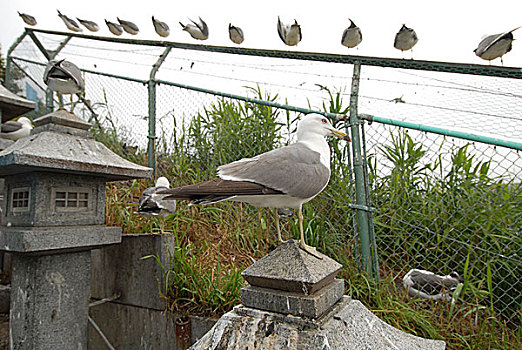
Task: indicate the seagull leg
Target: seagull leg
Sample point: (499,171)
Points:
(278,228)
(72,104)
(309,249)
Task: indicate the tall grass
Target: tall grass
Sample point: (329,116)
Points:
(419,205)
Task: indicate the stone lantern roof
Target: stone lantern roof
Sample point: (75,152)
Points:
(61,142)
(12,105)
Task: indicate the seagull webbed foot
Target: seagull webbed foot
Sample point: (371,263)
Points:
(310,250)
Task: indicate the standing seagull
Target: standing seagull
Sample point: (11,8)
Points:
(290,34)
(161,28)
(405,39)
(152,204)
(92,26)
(286,177)
(114,28)
(495,46)
(70,23)
(64,77)
(427,285)
(15,130)
(28,19)
(352,36)
(235,34)
(128,26)
(196,30)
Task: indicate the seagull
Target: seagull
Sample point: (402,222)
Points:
(494,46)
(152,204)
(64,77)
(128,26)
(427,285)
(114,28)
(405,39)
(70,23)
(290,34)
(196,30)
(28,19)
(15,130)
(286,177)
(352,36)
(161,28)
(92,26)
(235,34)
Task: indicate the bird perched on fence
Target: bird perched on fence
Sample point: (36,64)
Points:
(196,30)
(161,28)
(128,26)
(235,34)
(290,34)
(63,77)
(15,130)
(28,19)
(286,177)
(114,28)
(427,285)
(352,36)
(70,23)
(495,46)
(90,25)
(152,203)
(405,39)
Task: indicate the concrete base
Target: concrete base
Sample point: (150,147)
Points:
(120,269)
(349,326)
(131,327)
(49,301)
(311,306)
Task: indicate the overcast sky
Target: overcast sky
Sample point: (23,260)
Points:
(447,30)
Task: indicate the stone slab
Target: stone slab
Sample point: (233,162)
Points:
(348,326)
(291,269)
(311,306)
(44,239)
(131,327)
(121,269)
(49,301)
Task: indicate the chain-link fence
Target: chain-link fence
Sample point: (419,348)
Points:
(441,170)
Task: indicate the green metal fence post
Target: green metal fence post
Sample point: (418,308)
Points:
(360,190)
(151,149)
(8,60)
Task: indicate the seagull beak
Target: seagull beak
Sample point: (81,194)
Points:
(340,135)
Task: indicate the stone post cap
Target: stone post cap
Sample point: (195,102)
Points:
(289,268)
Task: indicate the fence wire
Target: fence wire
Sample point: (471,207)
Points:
(442,204)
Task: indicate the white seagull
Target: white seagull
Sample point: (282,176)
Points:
(114,28)
(352,36)
(427,285)
(495,46)
(235,34)
(405,39)
(290,34)
(92,26)
(28,19)
(196,30)
(15,130)
(70,23)
(128,26)
(286,177)
(161,28)
(63,77)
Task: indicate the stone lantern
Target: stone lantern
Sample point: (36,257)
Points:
(11,106)
(53,214)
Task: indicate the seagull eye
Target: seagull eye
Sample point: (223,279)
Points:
(324,120)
